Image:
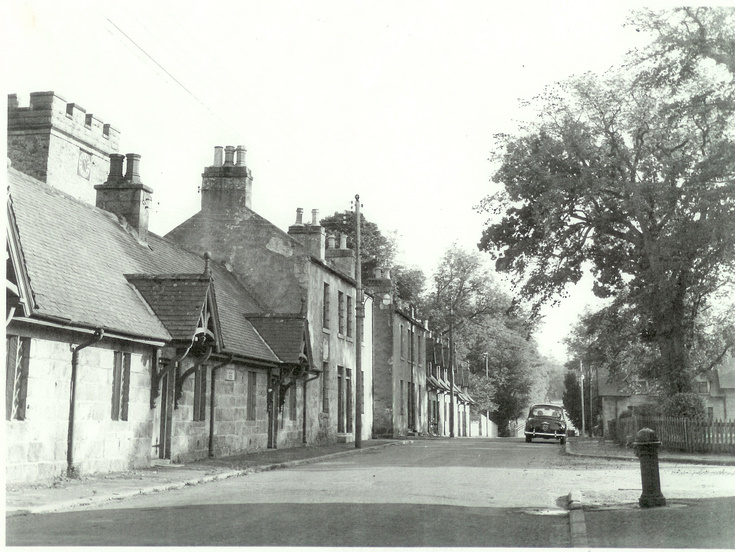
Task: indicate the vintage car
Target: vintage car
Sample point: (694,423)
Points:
(546,421)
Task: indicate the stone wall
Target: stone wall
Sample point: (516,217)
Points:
(37,446)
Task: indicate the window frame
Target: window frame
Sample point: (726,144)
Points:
(120,386)
(325,306)
(341,326)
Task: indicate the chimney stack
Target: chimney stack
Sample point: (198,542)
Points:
(382,285)
(311,236)
(341,257)
(126,196)
(227,185)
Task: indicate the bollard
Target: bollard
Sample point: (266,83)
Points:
(646,449)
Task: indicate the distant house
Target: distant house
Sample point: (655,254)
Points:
(716,387)
(290,272)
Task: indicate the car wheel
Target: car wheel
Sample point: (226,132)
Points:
(528,439)
(562,440)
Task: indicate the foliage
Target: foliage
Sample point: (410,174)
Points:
(464,290)
(376,249)
(684,405)
(683,38)
(409,284)
(483,392)
(633,175)
(572,398)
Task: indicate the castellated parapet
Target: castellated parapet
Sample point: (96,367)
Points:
(59,143)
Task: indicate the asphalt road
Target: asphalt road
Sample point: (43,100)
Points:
(461,492)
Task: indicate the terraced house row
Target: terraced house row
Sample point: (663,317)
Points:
(227,335)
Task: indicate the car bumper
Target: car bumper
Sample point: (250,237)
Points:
(546,434)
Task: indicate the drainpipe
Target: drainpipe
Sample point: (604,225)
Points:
(210,448)
(98,335)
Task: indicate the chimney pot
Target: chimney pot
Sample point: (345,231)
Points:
(299,217)
(343,241)
(315,217)
(133,167)
(240,151)
(330,242)
(116,166)
(218,156)
(229,156)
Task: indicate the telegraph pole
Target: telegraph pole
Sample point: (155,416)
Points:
(581,377)
(359,319)
(487,412)
(451,371)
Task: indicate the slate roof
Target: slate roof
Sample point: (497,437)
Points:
(176,299)
(284,333)
(77,256)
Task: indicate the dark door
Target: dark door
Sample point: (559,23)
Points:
(167,413)
(273,399)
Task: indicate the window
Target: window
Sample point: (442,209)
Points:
(17,350)
(325,306)
(403,341)
(200,394)
(325,387)
(120,386)
(340,399)
(349,316)
(419,355)
(292,402)
(702,387)
(341,311)
(252,390)
(411,357)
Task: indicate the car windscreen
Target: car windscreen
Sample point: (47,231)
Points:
(548,411)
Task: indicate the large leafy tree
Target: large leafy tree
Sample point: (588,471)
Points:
(633,175)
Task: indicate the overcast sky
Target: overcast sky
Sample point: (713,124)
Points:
(395,100)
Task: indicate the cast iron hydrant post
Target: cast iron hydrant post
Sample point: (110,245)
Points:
(646,448)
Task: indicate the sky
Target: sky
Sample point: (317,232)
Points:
(397,101)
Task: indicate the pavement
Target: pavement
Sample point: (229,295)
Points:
(693,523)
(588,527)
(597,448)
(66,494)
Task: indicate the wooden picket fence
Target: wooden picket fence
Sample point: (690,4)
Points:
(680,434)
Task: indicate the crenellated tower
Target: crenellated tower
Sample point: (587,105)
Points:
(59,143)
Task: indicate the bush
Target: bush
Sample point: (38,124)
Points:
(684,405)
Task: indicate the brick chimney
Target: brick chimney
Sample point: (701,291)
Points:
(341,257)
(227,185)
(311,236)
(125,195)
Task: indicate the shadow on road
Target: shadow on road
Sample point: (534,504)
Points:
(288,524)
